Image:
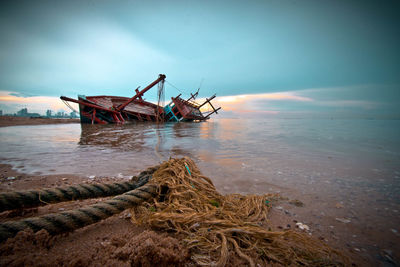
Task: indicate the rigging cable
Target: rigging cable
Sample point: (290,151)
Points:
(175,87)
(160,101)
(69,105)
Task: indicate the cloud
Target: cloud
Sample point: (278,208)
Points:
(269,96)
(350,104)
(257,103)
(367,98)
(361,100)
(21,94)
(12,103)
(84,57)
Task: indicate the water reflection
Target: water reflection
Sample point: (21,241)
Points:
(185,130)
(147,141)
(123,138)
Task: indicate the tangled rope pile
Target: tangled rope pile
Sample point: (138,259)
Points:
(214,225)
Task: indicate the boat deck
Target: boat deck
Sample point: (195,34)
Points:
(137,106)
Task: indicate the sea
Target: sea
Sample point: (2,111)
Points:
(346,172)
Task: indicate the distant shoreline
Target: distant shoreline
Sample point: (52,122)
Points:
(15,121)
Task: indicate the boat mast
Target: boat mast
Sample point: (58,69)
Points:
(121,107)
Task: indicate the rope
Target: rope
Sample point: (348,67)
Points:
(70,220)
(215,226)
(68,105)
(175,87)
(160,102)
(34,198)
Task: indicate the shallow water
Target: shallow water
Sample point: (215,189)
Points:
(351,163)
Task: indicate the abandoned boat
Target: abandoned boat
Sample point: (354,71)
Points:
(117,109)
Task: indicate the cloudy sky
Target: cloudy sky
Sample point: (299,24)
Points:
(339,58)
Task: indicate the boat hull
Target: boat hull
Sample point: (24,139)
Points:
(138,110)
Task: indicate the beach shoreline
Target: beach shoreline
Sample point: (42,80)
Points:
(6,121)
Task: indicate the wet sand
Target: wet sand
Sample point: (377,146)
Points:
(14,121)
(114,241)
(109,242)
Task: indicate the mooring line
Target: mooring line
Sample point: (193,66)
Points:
(68,221)
(34,198)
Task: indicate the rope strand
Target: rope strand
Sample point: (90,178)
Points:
(175,87)
(70,220)
(34,198)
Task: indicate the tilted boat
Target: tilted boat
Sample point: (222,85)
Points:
(105,109)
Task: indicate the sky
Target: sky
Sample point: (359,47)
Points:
(269,57)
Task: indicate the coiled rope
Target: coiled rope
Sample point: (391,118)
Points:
(70,220)
(34,198)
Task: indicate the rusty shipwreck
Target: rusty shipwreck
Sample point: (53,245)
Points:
(105,109)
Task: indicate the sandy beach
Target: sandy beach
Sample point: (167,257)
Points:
(107,242)
(93,245)
(115,241)
(15,121)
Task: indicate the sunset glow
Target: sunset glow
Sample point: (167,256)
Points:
(250,103)
(269,96)
(38,104)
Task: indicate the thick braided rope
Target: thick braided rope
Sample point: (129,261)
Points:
(34,198)
(68,221)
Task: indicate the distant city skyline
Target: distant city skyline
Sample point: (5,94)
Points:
(305,58)
(25,112)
